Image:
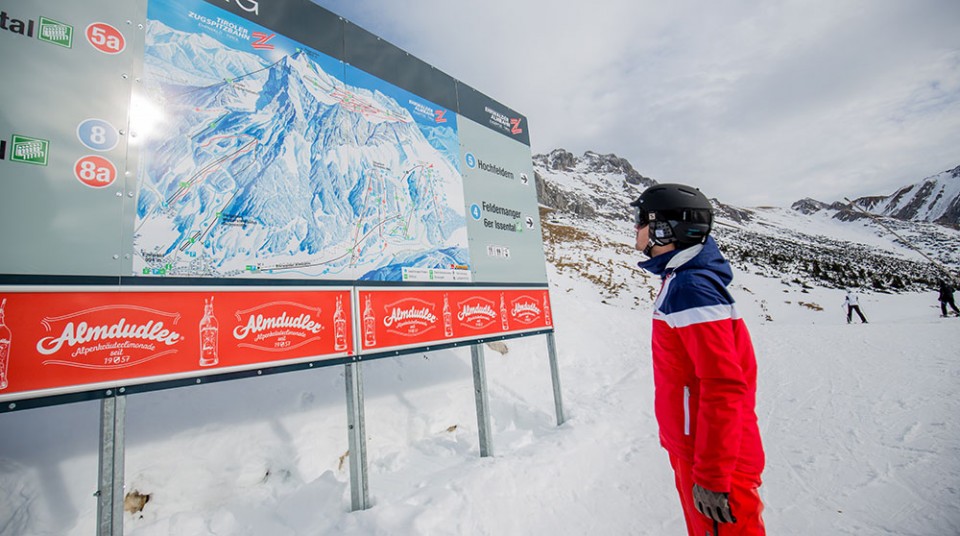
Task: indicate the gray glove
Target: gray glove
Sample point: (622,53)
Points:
(713,504)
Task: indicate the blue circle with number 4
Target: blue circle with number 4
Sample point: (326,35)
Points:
(475,211)
(98,134)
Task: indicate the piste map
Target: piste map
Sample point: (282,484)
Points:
(261,157)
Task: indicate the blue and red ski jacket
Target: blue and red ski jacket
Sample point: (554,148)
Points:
(704,368)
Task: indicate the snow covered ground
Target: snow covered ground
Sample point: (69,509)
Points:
(860,424)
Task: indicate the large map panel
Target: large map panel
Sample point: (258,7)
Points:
(187,142)
(262,161)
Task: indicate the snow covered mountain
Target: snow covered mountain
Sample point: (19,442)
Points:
(283,168)
(811,243)
(594,185)
(934,199)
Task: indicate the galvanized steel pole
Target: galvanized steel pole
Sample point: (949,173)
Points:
(483,404)
(555,376)
(356,427)
(110,491)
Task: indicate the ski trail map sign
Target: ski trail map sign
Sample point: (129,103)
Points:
(270,163)
(197,187)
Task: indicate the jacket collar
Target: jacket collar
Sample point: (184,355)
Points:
(704,256)
(668,262)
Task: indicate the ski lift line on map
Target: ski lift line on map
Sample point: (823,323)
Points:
(208,170)
(432,187)
(381,200)
(199,236)
(182,189)
(356,246)
(436,202)
(349,100)
(326,88)
(379,227)
(346,99)
(217,219)
(244,75)
(204,127)
(220,137)
(349,252)
(193,239)
(224,81)
(357,227)
(212,124)
(205,172)
(378,177)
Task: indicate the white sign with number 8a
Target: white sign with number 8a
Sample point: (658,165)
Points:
(95,171)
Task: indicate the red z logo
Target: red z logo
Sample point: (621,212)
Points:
(439,116)
(515,126)
(261,42)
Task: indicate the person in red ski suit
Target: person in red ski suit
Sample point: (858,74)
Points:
(705,370)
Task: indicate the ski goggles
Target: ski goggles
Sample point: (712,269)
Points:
(641,217)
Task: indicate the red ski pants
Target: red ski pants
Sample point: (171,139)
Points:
(745,504)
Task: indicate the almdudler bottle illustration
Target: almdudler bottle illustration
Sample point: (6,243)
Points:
(369,326)
(209,336)
(4,347)
(447,318)
(503,315)
(339,328)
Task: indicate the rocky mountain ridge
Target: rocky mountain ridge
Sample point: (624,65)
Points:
(811,243)
(935,199)
(589,186)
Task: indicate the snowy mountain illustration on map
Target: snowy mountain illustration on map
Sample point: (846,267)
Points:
(275,167)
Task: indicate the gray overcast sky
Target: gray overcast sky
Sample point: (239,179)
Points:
(757,103)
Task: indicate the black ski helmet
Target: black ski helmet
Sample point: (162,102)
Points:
(676,213)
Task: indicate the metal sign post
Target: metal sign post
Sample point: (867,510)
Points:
(555,375)
(110,493)
(356,428)
(483,404)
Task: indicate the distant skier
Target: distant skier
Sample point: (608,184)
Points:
(704,367)
(946,298)
(853,304)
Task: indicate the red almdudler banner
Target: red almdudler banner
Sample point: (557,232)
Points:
(64,341)
(403,318)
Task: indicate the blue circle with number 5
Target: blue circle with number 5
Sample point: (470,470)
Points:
(471,160)
(98,134)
